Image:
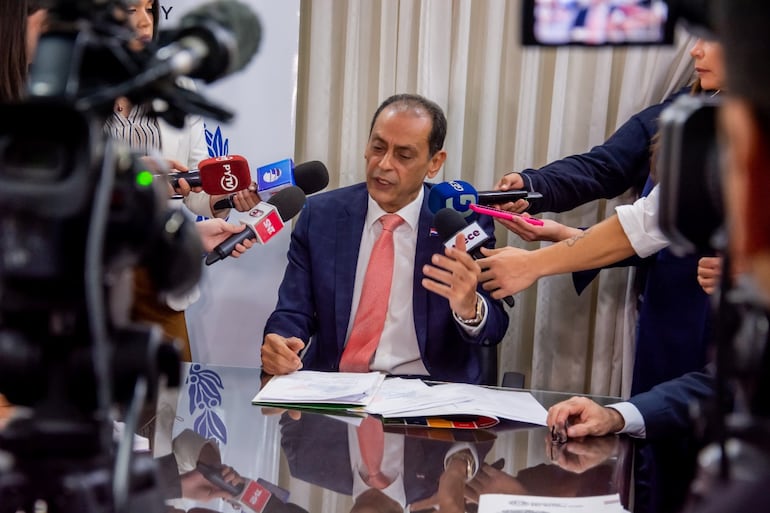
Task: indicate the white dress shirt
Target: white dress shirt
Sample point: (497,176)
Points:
(634,422)
(640,222)
(392,465)
(398,351)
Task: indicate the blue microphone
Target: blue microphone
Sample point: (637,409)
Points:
(456,195)
(459,195)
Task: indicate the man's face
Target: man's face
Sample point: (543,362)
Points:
(397,157)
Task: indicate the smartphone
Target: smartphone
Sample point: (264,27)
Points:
(494,197)
(503,214)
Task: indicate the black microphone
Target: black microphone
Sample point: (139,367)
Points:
(449,223)
(267,220)
(256,495)
(212,41)
(311,177)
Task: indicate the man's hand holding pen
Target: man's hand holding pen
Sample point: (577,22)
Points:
(579,416)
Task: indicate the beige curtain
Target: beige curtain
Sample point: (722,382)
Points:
(508,108)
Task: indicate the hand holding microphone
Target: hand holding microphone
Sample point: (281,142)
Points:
(267,219)
(215,231)
(258,495)
(459,195)
(217,175)
(311,177)
(450,223)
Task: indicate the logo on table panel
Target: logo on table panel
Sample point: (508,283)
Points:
(204,388)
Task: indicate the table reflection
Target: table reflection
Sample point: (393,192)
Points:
(217,452)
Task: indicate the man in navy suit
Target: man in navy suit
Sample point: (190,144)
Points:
(437,316)
(663,412)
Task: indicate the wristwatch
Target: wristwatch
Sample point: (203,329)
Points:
(470,462)
(480,310)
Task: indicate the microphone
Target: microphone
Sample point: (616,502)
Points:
(448,223)
(212,41)
(260,496)
(268,218)
(217,175)
(459,195)
(311,176)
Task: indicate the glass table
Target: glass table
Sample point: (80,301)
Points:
(216,451)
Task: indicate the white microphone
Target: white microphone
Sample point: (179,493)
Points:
(267,219)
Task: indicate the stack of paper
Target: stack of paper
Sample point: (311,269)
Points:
(397,398)
(312,389)
(413,398)
(499,503)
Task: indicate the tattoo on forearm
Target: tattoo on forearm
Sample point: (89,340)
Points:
(573,240)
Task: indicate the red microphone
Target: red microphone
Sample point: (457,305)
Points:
(217,175)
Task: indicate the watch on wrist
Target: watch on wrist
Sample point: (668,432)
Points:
(476,320)
(470,462)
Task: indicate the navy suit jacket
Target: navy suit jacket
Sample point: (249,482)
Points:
(315,297)
(666,407)
(317,451)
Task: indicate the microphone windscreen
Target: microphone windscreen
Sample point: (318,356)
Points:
(311,176)
(455,194)
(239,20)
(448,223)
(225,174)
(288,201)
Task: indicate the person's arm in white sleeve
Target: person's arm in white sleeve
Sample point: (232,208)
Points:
(640,222)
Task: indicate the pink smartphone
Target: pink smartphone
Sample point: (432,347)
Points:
(503,214)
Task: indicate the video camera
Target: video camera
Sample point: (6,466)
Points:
(80,212)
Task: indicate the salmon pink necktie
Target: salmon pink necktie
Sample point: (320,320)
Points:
(371,442)
(373,305)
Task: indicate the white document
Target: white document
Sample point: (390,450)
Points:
(500,503)
(313,387)
(397,396)
(413,398)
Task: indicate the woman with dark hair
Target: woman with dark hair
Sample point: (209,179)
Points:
(20,25)
(13,65)
(182,149)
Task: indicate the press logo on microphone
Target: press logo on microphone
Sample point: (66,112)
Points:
(228,182)
(255,497)
(272,175)
(256,212)
(460,204)
(474,237)
(266,228)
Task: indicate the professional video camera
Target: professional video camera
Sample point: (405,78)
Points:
(80,211)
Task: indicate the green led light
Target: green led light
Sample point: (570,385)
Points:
(144,178)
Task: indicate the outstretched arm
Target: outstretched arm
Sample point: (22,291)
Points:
(511,270)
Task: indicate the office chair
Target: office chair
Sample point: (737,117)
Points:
(489,370)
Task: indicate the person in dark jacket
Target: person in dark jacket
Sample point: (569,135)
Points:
(673,323)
